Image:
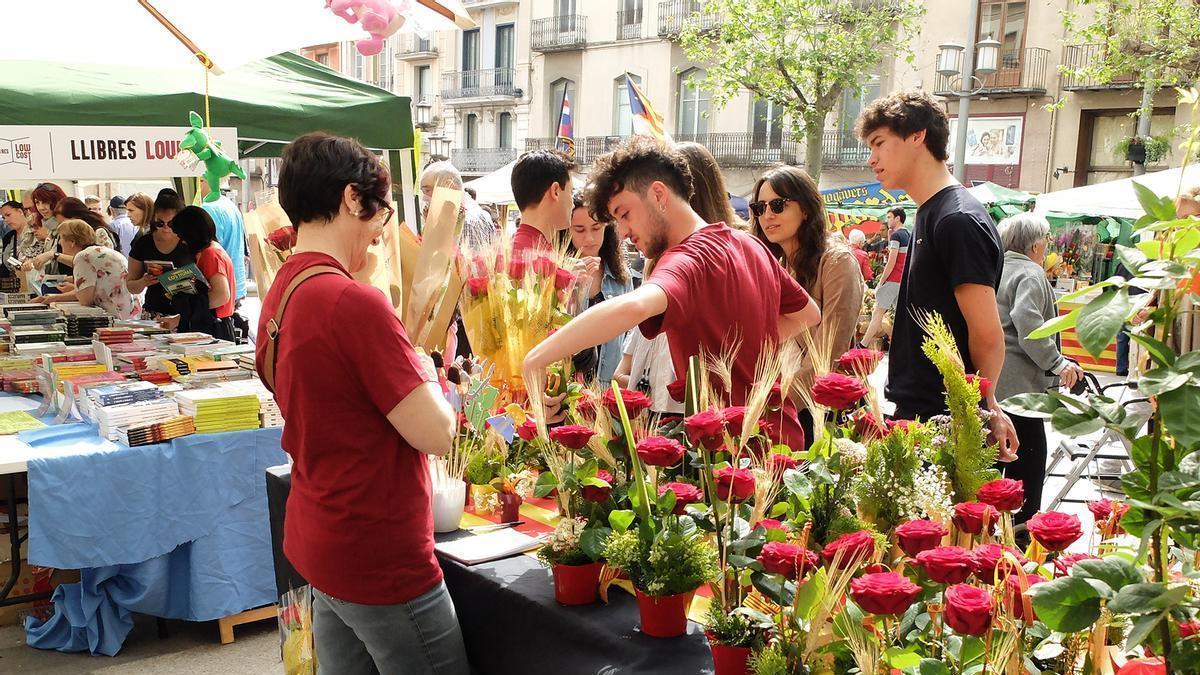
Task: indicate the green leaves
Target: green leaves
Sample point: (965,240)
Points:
(592,541)
(620,520)
(1101,319)
(1056,325)
(1161,208)
(1137,598)
(1067,604)
(546,483)
(1180,410)
(1111,574)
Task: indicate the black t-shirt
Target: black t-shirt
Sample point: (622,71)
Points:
(954,242)
(144,249)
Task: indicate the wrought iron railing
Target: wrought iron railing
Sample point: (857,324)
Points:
(1077,57)
(629,24)
(559,33)
(481,160)
(412,46)
(478,83)
(735,149)
(1020,71)
(673,15)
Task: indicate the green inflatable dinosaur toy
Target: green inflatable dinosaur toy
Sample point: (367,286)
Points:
(217,164)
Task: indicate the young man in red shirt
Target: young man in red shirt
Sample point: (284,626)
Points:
(541,187)
(952,267)
(712,286)
(363,413)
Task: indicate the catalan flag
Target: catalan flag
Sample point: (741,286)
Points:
(646,120)
(566,128)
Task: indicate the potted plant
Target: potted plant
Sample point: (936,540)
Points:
(732,637)
(1139,150)
(573,555)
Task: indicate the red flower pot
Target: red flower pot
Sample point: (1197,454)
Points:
(665,616)
(577,584)
(510,508)
(729,660)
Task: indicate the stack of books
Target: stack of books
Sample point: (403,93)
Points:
(156,432)
(219,408)
(112,418)
(125,393)
(36,335)
(83,322)
(20,381)
(114,335)
(268,408)
(158,377)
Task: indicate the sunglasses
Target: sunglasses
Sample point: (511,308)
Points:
(760,207)
(389,211)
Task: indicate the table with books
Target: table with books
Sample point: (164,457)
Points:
(145,473)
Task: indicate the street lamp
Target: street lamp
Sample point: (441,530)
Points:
(968,67)
(422,113)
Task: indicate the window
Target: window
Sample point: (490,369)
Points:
(470,49)
(693,104)
(557,89)
(1004,20)
(853,103)
(767,124)
(423,45)
(384,65)
(629,20)
(472,139)
(506,130)
(622,119)
(424,95)
(323,58)
(358,64)
(1099,133)
(565,11)
(505,54)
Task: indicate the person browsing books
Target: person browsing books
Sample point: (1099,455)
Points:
(362,412)
(197,230)
(713,286)
(99,273)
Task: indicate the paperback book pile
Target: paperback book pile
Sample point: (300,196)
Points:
(192,344)
(268,409)
(33,348)
(219,408)
(112,418)
(20,381)
(114,335)
(124,393)
(15,298)
(158,377)
(27,335)
(157,432)
(83,322)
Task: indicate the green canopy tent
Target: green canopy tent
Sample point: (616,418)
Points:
(270,102)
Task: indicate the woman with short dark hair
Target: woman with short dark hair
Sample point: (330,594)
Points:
(363,410)
(197,230)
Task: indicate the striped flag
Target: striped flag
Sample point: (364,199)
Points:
(566,128)
(646,120)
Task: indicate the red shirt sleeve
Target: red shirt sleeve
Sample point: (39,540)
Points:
(209,263)
(792,296)
(673,274)
(375,348)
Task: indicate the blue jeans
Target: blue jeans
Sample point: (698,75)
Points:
(419,637)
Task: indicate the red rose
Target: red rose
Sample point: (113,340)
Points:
(573,436)
(586,405)
(1013,594)
(528,430)
(685,494)
(988,558)
(770,430)
(1103,509)
(543,266)
(1189,628)
(597,494)
(660,451)
(920,535)
(1055,530)
(739,482)
(781,463)
(985,385)
(775,398)
(283,239)
(947,564)
(635,402)
(884,592)
(789,560)
(477,286)
(867,427)
(563,279)
(838,391)
(860,361)
(516,269)
(968,609)
(1005,494)
(772,524)
(1064,563)
(972,517)
(856,547)
(734,417)
(706,428)
(1149,665)
(677,390)
(902,425)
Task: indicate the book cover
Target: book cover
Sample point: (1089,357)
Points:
(182,280)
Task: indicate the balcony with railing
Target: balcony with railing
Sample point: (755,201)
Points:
(673,15)
(481,160)
(559,33)
(1022,72)
(414,47)
(630,24)
(735,149)
(1077,57)
(463,85)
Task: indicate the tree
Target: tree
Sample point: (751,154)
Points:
(800,55)
(1157,40)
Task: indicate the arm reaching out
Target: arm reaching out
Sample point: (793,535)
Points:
(986,343)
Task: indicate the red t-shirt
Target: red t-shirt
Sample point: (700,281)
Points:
(723,285)
(214,261)
(359,524)
(864,263)
(528,238)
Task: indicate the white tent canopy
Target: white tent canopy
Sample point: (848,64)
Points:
(495,187)
(1116,198)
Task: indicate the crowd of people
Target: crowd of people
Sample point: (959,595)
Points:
(65,249)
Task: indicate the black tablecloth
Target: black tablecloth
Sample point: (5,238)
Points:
(512,624)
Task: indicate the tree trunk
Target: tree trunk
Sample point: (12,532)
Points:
(814,145)
(1143,128)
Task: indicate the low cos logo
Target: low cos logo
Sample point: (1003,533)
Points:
(16,151)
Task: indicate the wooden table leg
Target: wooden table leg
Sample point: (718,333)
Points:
(249,616)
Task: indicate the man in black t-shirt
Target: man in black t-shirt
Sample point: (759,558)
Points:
(953,265)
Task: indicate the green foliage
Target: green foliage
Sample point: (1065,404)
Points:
(799,55)
(770,661)
(1157,147)
(483,467)
(549,557)
(679,559)
(966,456)
(730,628)
(888,472)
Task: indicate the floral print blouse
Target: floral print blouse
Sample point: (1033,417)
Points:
(107,270)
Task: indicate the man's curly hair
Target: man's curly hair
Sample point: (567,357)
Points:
(634,165)
(905,113)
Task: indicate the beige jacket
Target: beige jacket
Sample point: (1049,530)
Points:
(838,291)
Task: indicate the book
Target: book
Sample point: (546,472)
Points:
(182,280)
(487,547)
(166,265)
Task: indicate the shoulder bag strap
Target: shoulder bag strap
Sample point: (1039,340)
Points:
(266,367)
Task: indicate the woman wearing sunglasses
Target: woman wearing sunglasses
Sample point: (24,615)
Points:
(788,215)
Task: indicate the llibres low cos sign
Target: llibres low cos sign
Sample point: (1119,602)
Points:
(67,152)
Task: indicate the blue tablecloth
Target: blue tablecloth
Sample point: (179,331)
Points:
(177,530)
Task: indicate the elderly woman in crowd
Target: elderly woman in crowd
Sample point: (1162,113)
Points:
(99,273)
(1026,301)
